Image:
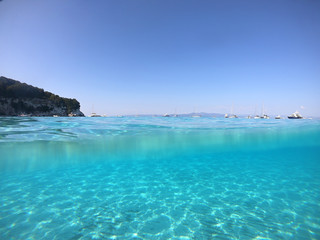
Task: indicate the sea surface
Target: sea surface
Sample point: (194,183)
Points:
(159,178)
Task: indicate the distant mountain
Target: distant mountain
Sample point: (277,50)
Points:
(202,114)
(18,98)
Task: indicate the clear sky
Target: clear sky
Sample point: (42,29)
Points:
(148,56)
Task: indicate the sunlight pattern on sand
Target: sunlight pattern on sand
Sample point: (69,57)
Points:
(155,178)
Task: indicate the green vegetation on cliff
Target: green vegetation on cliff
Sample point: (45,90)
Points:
(22,98)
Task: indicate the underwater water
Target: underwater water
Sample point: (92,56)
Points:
(159,178)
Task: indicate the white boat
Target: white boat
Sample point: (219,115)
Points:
(256,117)
(195,115)
(232,115)
(175,113)
(263,114)
(94,115)
(295,115)
(278,117)
(166,115)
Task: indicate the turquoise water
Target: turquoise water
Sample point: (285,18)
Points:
(159,178)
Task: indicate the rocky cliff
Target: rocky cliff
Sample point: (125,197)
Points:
(18,98)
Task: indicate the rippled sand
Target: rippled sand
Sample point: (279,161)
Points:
(227,196)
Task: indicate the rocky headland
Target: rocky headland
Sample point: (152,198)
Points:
(20,99)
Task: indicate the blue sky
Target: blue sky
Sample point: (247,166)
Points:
(147,56)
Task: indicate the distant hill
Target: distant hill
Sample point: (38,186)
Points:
(202,114)
(18,98)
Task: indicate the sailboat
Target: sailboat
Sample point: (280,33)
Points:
(256,116)
(263,115)
(93,114)
(232,115)
(175,113)
(195,115)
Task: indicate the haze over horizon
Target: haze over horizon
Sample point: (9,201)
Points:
(155,57)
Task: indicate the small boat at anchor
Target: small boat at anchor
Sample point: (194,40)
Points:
(295,115)
(94,115)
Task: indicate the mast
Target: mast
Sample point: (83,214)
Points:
(232,108)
